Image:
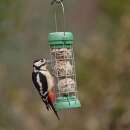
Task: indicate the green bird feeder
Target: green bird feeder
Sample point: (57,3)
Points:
(63,67)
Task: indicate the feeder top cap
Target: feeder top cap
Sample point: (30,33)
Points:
(60,36)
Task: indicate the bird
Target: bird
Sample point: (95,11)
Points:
(57,1)
(44,83)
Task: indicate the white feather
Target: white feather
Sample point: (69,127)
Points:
(40,84)
(50,79)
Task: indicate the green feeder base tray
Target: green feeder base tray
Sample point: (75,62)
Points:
(68,102)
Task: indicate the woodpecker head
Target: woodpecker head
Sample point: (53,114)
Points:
(40,64)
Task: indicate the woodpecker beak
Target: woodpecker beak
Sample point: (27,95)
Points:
(48,62)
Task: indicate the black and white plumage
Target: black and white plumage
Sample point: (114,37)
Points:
(43,82)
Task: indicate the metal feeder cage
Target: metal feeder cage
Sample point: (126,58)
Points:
(63,67)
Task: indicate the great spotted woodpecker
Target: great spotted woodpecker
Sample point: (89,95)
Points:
(44,83)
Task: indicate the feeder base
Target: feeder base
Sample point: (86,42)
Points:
(68,102)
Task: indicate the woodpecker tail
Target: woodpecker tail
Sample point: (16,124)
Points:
(53,108)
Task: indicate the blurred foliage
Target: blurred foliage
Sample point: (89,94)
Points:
(102,37)
(114,8)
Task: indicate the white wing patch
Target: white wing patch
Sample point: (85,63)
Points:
(40,84)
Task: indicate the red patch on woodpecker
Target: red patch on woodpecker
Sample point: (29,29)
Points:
(52,96)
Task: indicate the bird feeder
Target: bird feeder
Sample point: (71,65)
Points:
(63,67)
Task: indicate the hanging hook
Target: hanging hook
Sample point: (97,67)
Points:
(63,10)
(56,1)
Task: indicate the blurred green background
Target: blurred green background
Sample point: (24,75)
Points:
(102,51)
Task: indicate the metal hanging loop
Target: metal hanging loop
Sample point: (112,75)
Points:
(57,2)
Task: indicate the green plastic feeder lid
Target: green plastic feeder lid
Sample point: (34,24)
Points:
(60,39)
(69,102)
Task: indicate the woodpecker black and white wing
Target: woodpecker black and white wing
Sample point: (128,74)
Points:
(40,83)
